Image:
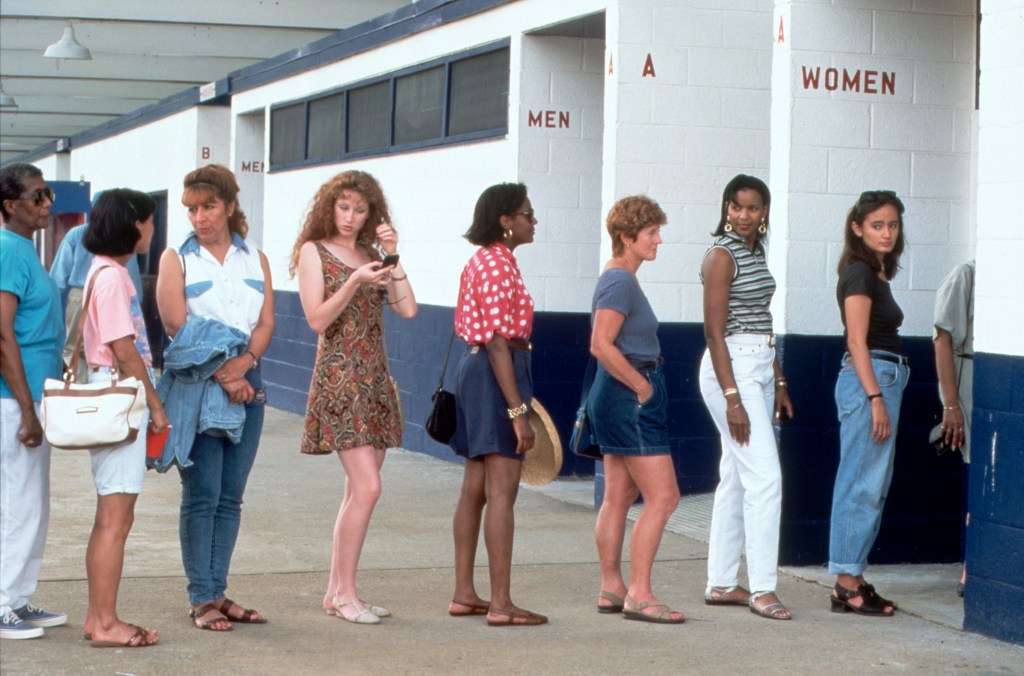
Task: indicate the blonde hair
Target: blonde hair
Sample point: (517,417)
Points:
(217,181)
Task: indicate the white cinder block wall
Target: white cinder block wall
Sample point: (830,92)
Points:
(687,107)
(869,95)
(999,313)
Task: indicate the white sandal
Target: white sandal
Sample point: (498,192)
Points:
(376,610)
(363,616)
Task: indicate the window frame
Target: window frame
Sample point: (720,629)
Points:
(391,148)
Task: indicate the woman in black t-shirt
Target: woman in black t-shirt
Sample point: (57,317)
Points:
(868,393)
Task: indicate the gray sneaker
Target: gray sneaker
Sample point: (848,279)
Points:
(39,617)
(12,626)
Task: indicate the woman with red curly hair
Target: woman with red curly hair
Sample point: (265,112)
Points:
(353,407)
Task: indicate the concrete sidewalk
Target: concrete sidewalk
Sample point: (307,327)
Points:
(283,554)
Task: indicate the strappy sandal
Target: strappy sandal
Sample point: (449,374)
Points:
(362,616)
(247,616)
(869,590)
(631,610)
(473,608)
(514,618)
(140,638)
(206,608)
(870,601)
(376,610)
(773,611)
(720,596)
(614,603)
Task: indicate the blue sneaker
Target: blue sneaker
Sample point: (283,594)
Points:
(39,617)
(12,626)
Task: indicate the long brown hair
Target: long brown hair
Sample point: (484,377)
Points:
(218,181)
(319,224)
(854,248)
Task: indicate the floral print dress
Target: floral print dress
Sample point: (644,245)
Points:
(353,401)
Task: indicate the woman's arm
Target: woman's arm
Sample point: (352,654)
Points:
(858,315)
(607,324)
(13,370)
(170,292)
(717,272)
(231,374)
(131,364)
(400,288)
(952,414)
(500,356)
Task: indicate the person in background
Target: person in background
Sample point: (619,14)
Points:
(353,407)
(68,270)
(869,391)
(220,279)
(31,335)
(115,341)
(628,405)
(745,390)
(494,386)
(953,339)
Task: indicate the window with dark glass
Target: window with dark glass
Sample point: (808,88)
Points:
(368,117)
(479,93)
(288,134)
(419,104)
(326,126)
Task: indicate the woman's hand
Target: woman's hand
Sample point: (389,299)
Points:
(388,238)
(233,369)
(953,426)
(783,404)
(739,421)
(524,433)
(158,418)
(31,431)
(644,392)
(239,391)
(372,274)
(880,426)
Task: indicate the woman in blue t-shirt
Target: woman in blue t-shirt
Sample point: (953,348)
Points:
(869,390)
(628,406)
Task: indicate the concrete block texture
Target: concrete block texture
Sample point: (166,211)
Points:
(940,176)
(689,105)
(691,27)
(899,127)
(914,35)
(824,27)
(737,67)
(854,170)
(832,123)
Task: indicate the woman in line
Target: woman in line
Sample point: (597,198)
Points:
(628,406)
(353,407)
(494,386)
(743,387)
(218,275)
(114,333)
(869,391)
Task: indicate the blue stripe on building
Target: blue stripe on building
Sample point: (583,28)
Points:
(923,512)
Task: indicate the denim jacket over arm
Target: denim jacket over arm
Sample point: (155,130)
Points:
(194,402)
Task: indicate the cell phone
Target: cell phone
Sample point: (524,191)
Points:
(389,261)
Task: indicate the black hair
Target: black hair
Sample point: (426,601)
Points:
(743,182)
(112,230)
(854,248)
(499,200)
(12,182)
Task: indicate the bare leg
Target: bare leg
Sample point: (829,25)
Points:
(104,561)
(466,531)
(620,492)
(362,490)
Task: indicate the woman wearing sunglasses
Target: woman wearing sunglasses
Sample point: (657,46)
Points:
(868,394)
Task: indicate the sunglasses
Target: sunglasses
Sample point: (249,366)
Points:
(528,213)
(40,196)
(876,195)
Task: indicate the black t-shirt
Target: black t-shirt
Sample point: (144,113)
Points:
(858,279)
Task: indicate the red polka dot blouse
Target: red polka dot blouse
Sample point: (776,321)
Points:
(492,298)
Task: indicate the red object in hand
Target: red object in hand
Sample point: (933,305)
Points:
(155,441)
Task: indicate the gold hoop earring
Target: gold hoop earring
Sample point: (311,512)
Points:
(728,225)
(764,227)
(508,234)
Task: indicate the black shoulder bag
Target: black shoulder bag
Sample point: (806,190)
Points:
(441,420)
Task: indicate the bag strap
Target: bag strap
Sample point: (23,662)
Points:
(444,369)
(588,380)
(69,375)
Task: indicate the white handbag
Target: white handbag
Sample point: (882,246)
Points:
(85,416)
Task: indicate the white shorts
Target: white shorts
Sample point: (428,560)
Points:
(120,468)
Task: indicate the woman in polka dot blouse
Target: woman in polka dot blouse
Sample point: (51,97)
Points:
(494,386)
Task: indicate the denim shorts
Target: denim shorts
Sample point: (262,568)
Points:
(481,412)
(120,468)
(621,424)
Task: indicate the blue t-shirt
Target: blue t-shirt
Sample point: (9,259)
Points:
(71,264)
(618,290)
(38,324)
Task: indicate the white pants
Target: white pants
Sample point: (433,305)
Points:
(24,509)
(748,501)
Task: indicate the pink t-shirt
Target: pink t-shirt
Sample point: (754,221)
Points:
(114,312)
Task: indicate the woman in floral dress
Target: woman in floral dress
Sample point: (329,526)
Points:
(353,407)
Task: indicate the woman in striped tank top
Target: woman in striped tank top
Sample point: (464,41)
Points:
(743,387)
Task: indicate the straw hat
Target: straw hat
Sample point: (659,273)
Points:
(544,460)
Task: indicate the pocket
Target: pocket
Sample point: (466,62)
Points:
(886,373)
(197,289)
(255,284)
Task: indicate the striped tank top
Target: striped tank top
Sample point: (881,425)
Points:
(752,287)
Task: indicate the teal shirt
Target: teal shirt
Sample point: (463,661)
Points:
(38,324)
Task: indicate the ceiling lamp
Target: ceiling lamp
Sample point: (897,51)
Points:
(6,100)
(68,47)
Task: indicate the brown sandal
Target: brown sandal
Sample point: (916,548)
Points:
(514,618)
(197,613)
(247,616)
(474,608)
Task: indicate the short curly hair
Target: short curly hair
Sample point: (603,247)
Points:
(629,216)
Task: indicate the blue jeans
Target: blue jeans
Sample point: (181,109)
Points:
(865,466)
(211,503)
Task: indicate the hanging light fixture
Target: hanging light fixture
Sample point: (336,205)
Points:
(6,100)
(68,47)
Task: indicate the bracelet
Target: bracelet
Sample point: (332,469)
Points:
(255,361)
(729,392)
(738,405)
(780,382)
(876,395)
(519,410)
(399,279)
(950,408)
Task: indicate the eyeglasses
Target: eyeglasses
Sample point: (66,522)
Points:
(528,213)
(39,196)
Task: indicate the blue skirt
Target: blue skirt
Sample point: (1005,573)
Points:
(623,426)
(481,412)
